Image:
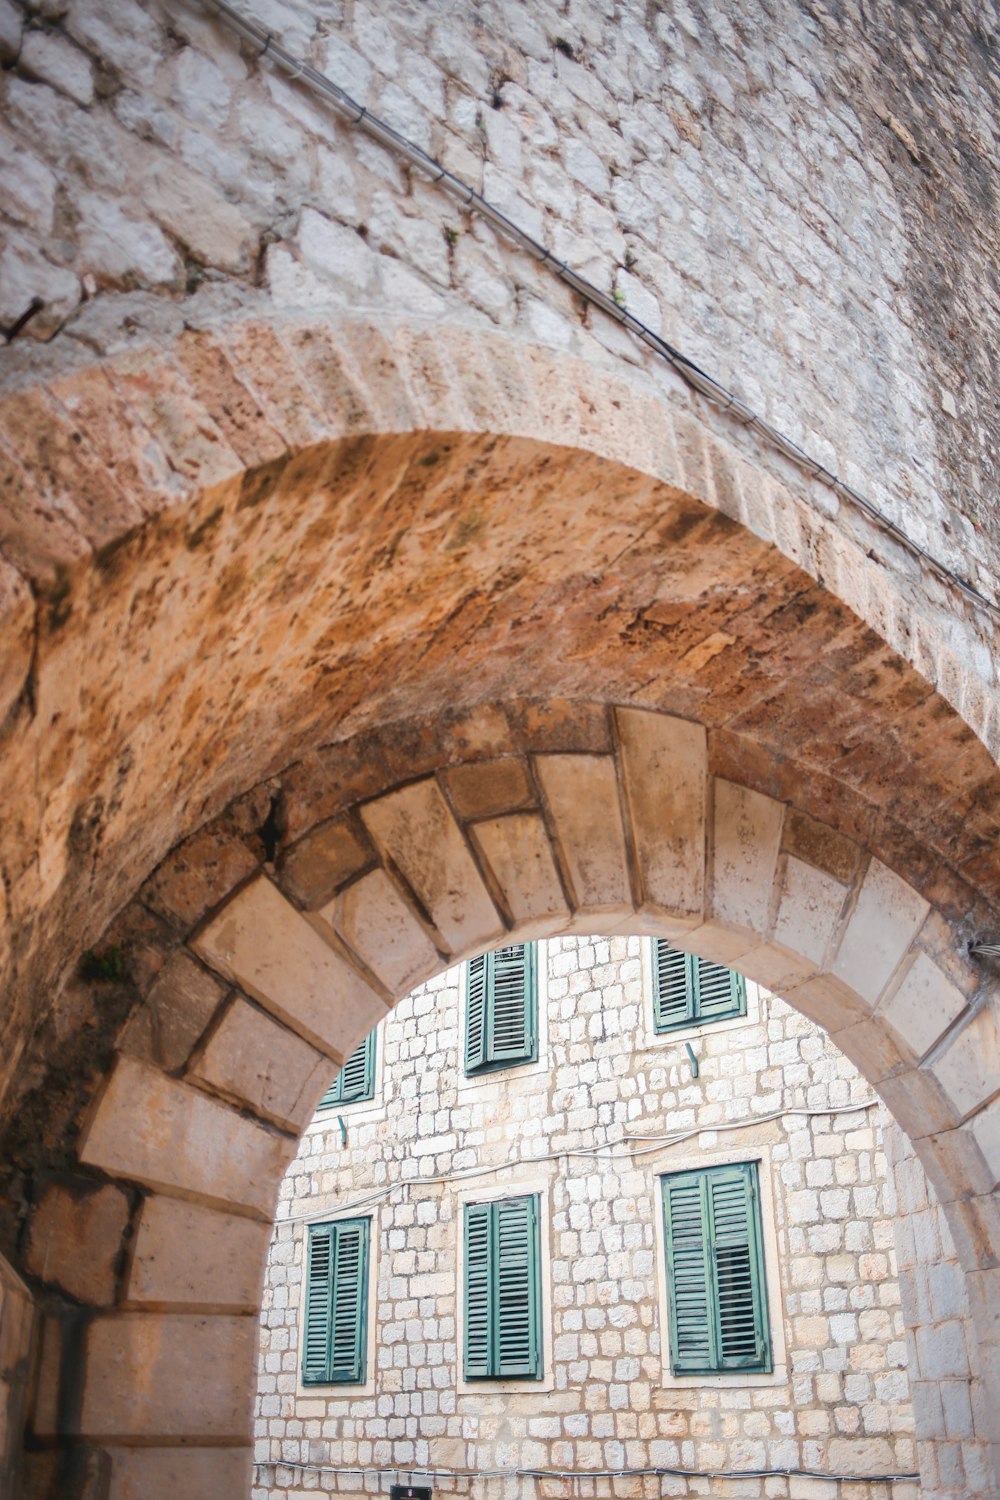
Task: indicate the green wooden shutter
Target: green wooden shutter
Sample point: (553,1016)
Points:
(673,994)
(478,1341)
(348,1304)
(356,1079)
(501,1026)
(319,1282)
(743,1340)
(688,1285)
(688,989)
(517,1320)
(512,1033)
(334,1345)
(716,1289)
(475,1013)
(502,1290)
(719,992)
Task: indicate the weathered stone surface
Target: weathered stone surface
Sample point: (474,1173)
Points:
(968,1068)
(167,1473)
(164,1375)
(664,769)
(525,503)
(383,930)
(261,941)
(582,793)
(321,862)
(253,1061)
(921,1006)
(193,1256)
(151,1129)
(809,910)
(746,836)
(885,920)
(75,1240)
(416,830)
(498,786)
(182,1000)
(517,851)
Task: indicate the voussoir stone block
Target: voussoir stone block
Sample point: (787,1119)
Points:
(321,862)
(179,1006)
(485,788)
(180,1473)
(518,852)
(189,1255)
(921,1006)
(155,1130)
(259,940)
(582,793)
(415,828)
(664,765)
(886,918)
(968,1067)
(810,904)
(75,1239)
(164,1375)
(383,930)
(746,837)
(251,1059)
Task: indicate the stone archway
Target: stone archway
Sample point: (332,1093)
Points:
(207,545)
(501,643)
(284,973)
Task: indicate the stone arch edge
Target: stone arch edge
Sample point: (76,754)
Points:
(676,850)
(91,456)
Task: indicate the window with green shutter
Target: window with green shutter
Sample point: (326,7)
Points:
(356,1079)
(716,1288)
(501,1013)
(690,991)
(334,1340)
(503,1338)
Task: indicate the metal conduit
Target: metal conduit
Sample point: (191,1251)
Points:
(355,114)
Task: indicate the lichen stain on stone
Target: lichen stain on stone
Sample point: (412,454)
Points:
(58,600)
(231,584)
(195,538)
(467,530)
(258,485)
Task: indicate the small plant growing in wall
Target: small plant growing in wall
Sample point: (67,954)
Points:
(103,968)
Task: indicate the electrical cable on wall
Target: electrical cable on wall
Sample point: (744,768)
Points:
(299,70)
(646,1145)
(660,1472)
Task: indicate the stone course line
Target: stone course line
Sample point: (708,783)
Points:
(358,116)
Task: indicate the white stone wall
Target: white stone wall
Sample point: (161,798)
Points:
(945,1386)
(722,172)
(839,1399)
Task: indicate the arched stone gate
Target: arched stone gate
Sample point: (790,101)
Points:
(501,644)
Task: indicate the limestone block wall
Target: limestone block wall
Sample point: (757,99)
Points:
(945,1379)
(809,220)
(580,1127)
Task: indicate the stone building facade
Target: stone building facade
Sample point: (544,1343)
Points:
(607,1108)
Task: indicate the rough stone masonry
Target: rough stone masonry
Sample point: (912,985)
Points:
(311,486)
